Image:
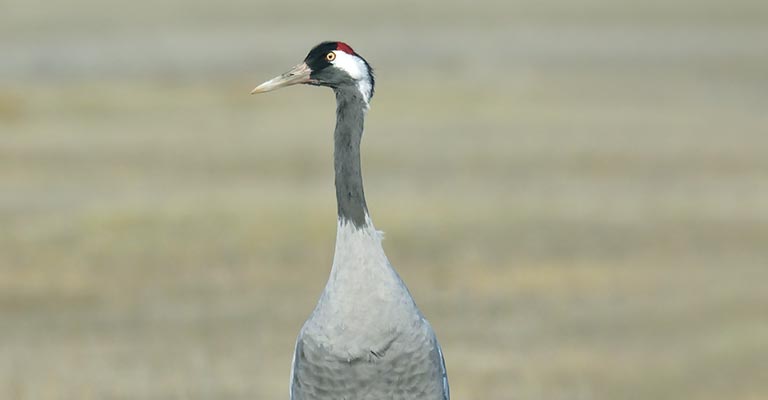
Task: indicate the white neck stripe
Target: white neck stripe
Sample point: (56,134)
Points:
(356,68)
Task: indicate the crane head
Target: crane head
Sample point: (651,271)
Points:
(332,64)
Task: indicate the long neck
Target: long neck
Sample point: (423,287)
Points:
(350,116)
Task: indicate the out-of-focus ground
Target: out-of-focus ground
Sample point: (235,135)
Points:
(575,192)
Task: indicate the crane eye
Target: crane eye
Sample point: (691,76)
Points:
(330,56)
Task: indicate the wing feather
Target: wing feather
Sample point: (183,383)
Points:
(446,387)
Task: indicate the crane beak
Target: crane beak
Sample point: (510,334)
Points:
(298,74)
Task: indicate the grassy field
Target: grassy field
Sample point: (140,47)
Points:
(576,194)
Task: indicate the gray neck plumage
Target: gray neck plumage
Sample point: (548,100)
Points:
(351,108)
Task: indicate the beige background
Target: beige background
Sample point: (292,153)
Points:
(575,192)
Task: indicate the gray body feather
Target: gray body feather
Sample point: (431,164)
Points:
(402,362)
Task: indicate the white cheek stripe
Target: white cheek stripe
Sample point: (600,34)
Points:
(357,69)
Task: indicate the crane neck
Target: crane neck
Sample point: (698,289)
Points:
(351,107)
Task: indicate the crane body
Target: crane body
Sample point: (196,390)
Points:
(366,338)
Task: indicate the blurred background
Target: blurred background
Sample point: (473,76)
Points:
(575,192)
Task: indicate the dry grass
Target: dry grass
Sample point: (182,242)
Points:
(578,200)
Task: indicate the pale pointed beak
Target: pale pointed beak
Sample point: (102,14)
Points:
(298,74)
